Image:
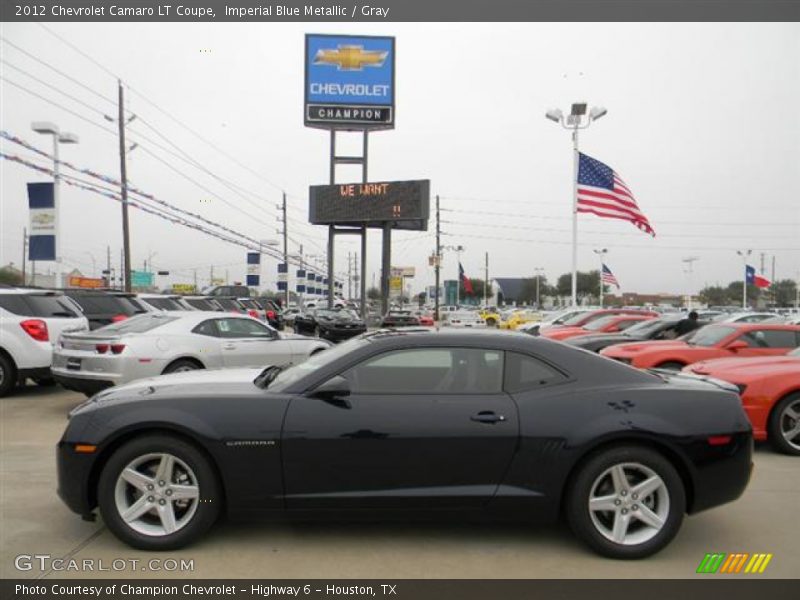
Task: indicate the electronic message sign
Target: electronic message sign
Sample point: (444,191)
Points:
(406,204)
(349,82)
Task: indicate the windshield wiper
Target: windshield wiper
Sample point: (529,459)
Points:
(268,375)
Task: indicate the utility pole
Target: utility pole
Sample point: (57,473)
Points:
(126,240)
(437,261)
(195,281)
(24,252)
(108,267)
(211,276)
(122,267)
(286,251)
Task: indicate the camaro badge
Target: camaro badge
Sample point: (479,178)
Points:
(351,58)
(250,443)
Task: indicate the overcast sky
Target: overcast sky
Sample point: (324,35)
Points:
(702,124)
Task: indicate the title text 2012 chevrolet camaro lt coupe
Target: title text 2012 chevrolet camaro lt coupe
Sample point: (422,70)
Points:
(409,423)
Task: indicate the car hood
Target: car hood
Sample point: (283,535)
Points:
(601,337)
(747,366)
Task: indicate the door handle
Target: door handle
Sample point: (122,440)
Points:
(487,416)
(229,347)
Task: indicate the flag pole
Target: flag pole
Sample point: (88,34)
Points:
(575,161)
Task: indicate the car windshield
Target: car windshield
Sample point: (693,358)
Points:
(292,374)
(648,327)
(138,324)
(709,336)
(598,324)
(580,317)
(328,314)
(164,303)
(202,304)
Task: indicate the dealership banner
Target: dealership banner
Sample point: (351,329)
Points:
(349,82)
(42,225)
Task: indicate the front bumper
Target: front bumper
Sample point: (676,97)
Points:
(335,334)
(74,478)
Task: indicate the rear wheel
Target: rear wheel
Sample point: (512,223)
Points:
(8,375)
(490,322)
(671,366)
(158,492)
(182,365)
(626,502)
(783,429)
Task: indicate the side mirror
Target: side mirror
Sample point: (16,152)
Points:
(737,345)
(333,391)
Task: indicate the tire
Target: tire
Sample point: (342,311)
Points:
(491,322)
(665,505)
(781,420)
(45,382)
(181,365)
(192,473)
(671,366)
(8,375)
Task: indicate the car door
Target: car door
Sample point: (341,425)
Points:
(767,342)
(248,343)
(421,428)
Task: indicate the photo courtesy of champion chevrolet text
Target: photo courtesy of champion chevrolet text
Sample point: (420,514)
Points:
(402,299)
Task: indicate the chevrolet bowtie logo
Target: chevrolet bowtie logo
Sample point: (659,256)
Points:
(351,58)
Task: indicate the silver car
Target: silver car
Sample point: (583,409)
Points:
(169,342)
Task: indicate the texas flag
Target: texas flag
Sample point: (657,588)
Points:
(465,281)
(753,279)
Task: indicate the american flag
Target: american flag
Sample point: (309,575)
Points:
(603,193)
(608,277)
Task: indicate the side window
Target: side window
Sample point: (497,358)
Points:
(524,372)
(208,328)
(770,338)
(429,371)
(243,328)
(623,325)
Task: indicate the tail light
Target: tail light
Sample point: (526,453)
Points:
(101,348)
(270,314)
(117,348)
(37,329)
(118,318)
(253,313)
(719,440)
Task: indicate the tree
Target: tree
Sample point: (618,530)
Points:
(784,292)
(588,284)
(528,293)
(715,295)
(735,293)
(374,293)
(10,276)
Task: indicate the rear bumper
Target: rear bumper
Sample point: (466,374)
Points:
(34,373)
(81,384)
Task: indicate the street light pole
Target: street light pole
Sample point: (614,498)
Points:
(58,138)
(538,270)
(575,121)
(601,254)
(744,256)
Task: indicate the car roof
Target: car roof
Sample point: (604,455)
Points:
(748,326)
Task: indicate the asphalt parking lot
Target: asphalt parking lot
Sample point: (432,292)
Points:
(33,521)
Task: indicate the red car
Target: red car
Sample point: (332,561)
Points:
(425,319)
(584,318)
(607,324)
(713,341)
(770,392)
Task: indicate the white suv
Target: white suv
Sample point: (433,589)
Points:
(30,323)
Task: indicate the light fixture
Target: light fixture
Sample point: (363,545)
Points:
(554,114)
(597,112)
(578,109)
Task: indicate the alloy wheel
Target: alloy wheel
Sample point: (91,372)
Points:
(629,504)
(157,494)
(790,424)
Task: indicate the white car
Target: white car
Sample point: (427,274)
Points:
(558,318)
(463,318)
(30,323)
(169,342)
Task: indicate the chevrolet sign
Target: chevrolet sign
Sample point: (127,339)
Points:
(349,82)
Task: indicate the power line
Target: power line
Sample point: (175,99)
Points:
(56,104)
(58,71)
(78,50)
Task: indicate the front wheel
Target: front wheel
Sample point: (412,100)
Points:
(158,492)
(784,426)
(626,502)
